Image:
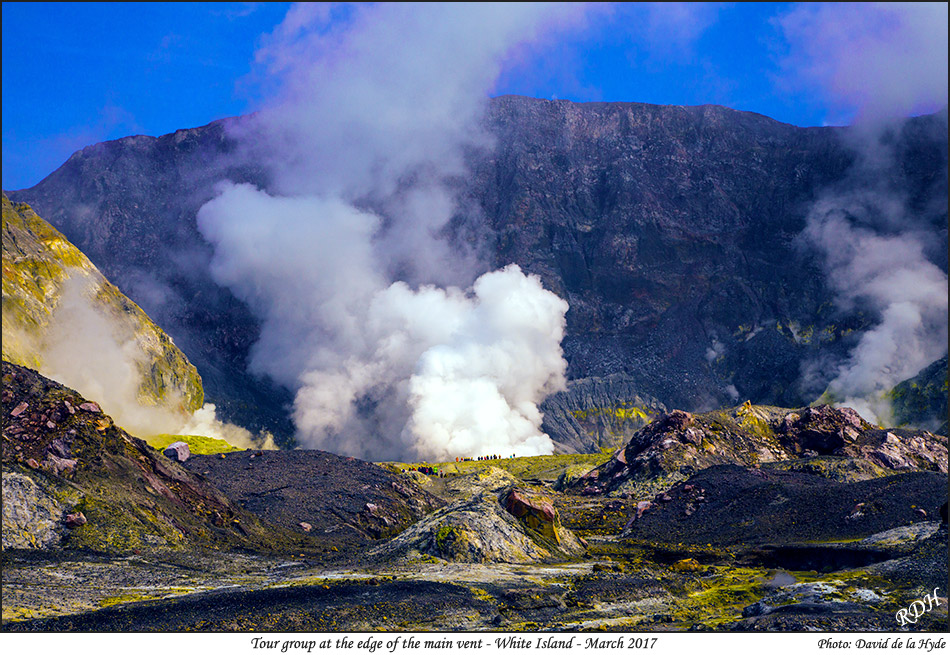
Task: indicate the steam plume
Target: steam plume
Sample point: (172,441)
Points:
(890,274)
(394,343)
(101,358)
(885,61)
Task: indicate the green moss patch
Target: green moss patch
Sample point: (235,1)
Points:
(541,467)
(197,444)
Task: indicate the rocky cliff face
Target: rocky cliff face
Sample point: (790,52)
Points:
(57,306)
(671,231)
(596,414)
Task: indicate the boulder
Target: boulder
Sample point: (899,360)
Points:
(59,465)
(533,510)
(642,507)
(177,451)
(75,520)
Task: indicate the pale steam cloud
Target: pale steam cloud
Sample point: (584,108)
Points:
(86,351)
(890,275)
(397,343)
(881,62)
(101,358)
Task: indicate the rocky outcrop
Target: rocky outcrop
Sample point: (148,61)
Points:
(73,479)
(477,530)
(822,429)
(57,305)
(921,401)
(900,450)
(677,444)
(515,527)
(32,518)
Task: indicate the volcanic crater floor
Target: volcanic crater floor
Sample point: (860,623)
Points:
(729,564)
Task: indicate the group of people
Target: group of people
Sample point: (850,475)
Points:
(482,458)
(434,470)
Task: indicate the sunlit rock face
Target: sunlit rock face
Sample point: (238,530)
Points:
(62,317)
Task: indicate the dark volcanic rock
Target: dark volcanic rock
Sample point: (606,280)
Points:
(748,507)
(347,501)
(671,231)
(341,607)
(921,401)
(822,429)
(597,413)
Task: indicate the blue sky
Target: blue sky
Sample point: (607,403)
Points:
(75,74)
